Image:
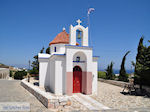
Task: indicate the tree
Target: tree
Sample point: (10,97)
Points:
(35,64)
(48,50)
(142,67)
(109,71)
(20,74)
(139,63)
(123,76)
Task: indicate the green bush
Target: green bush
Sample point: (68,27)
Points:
(34,71)
(124,78)
(10,73)
(20,74)
(101,74)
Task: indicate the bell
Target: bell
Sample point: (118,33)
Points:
(79,34)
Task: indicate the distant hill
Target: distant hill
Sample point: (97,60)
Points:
(3,66)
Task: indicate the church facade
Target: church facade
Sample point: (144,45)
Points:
(70,67)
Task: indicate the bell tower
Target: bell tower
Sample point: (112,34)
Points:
(73,30)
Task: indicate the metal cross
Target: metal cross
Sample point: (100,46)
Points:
(79,22)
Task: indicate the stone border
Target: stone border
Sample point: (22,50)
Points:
(121,84)
(45,98)
(113,82)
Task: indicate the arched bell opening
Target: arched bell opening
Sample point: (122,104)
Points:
(79,37)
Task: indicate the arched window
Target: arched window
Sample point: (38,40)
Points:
(54,49)
(78,59)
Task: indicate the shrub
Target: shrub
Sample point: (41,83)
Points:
(34,71)
(101,74)
(10,74)
(109,72)
(20,74)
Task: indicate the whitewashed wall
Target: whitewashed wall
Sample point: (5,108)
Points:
(52,74)
(83,60)
(60,49)
(43,67)
(94,73)
(70,52)
(57,74)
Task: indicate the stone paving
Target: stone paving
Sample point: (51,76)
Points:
(11,91)
(110,96)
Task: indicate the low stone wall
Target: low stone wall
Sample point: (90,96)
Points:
(121,84)
(113,82)
(4,73)
(46,99)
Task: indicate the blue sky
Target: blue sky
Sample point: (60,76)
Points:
(116,27)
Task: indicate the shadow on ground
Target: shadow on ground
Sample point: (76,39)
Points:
(137,92)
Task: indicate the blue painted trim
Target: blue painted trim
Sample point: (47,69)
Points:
(96,56)
(44,58)
(79,61)
(60,54)
(79,46)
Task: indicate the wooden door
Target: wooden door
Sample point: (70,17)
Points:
(77,79)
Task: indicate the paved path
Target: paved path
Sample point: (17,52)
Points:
(12,91)
(89,102)
(110,96)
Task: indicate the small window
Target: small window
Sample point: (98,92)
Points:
(78,59)
(54,49)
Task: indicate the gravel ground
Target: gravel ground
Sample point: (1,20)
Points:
(110,96)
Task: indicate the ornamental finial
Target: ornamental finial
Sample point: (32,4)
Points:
(64,29)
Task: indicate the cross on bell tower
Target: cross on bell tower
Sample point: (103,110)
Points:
(79,21)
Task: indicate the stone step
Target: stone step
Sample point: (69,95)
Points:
(93,102)
(89,102)
(85,103)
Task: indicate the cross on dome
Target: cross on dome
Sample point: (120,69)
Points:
(79,21)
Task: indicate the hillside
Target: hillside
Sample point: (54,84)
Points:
(3,66)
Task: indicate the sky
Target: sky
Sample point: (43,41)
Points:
(115,27)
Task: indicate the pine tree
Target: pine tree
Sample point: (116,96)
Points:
(147,66)
(142,67)
(123,76)
(139,63)
(109,71)
(48,50)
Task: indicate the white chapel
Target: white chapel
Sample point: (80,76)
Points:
(70,67)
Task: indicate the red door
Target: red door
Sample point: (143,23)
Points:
(77,79)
